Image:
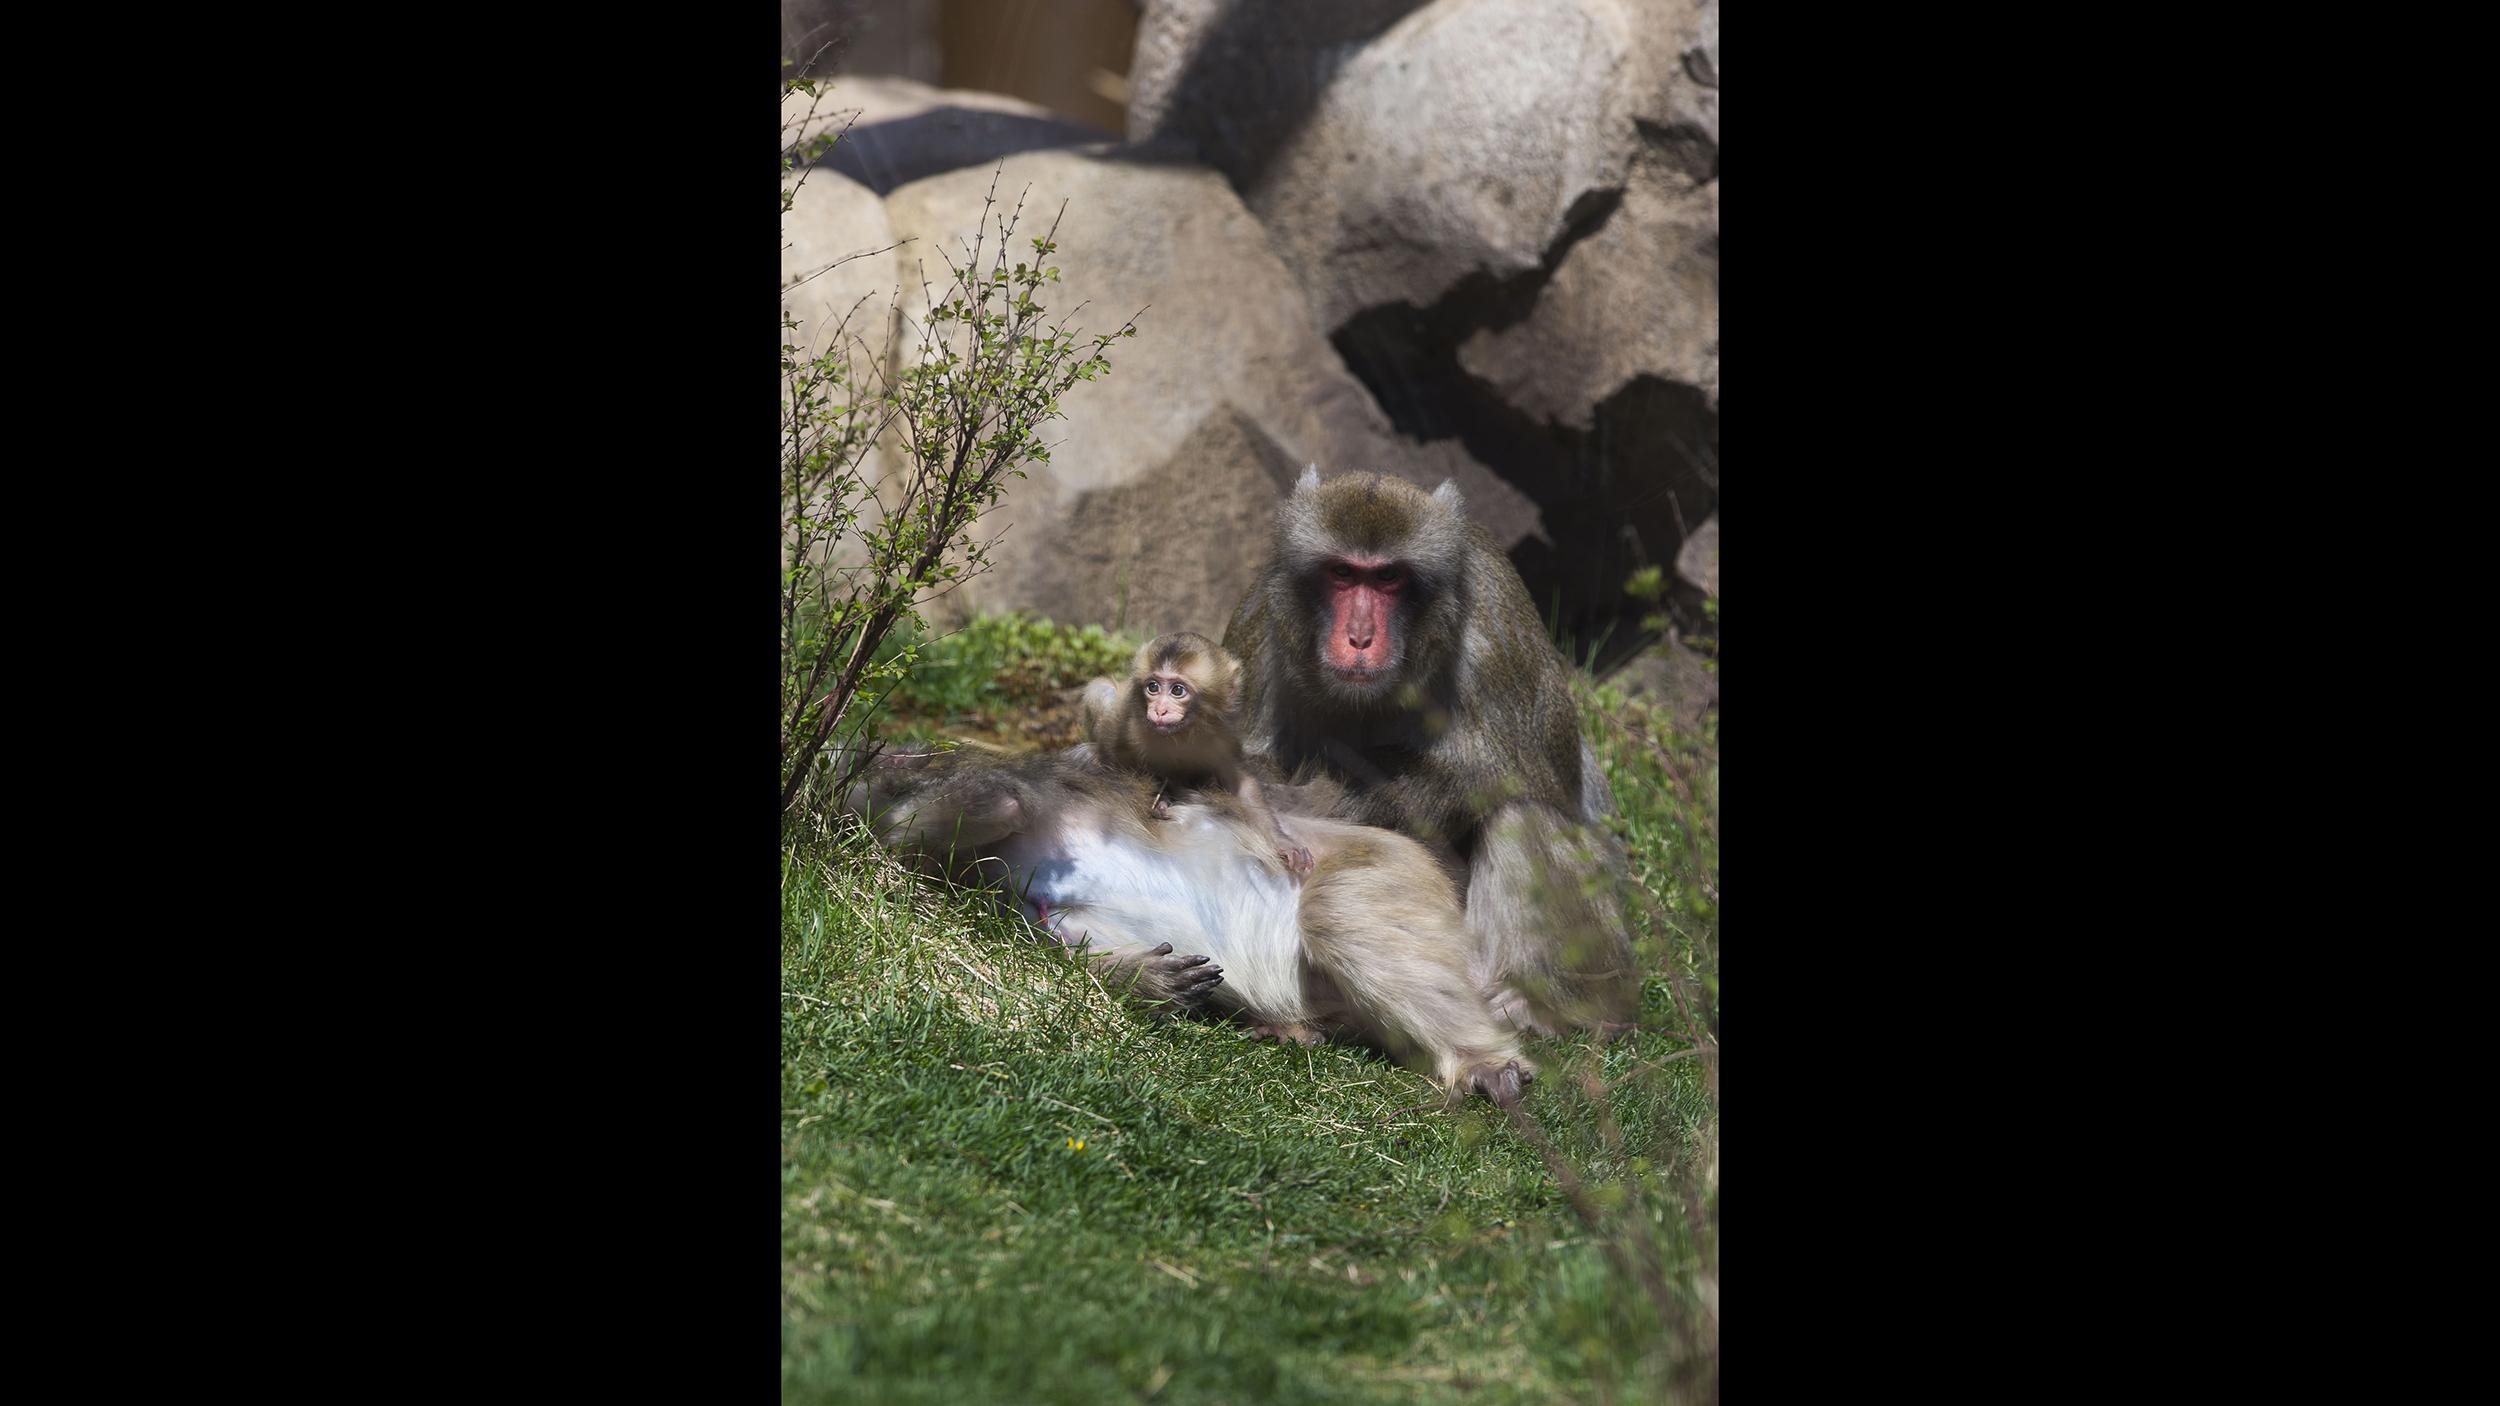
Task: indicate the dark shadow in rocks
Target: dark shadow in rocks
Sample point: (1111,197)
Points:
(1616,497)
(1242,92)
(942,139)
(1687,149)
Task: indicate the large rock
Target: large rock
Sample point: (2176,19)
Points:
(1670,676)
(1698,562)
(1230,81)
(1227,380)
(839,248)
(901,131)
(1640,296)
(1455,143)
(1687,105)
(1177,544)
(1505,214)
(1395,151)
(1462,139)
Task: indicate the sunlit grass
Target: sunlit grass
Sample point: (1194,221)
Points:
(1243,1221)
(1003,679)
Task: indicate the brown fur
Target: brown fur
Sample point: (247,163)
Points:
(949,813)
(1377,948)
(1205,749)
(1381,922)
(1472,740)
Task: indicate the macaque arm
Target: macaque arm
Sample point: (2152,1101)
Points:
(1297,859)
(1130,961)
(1444,791)
(1098,713)
(1544,895)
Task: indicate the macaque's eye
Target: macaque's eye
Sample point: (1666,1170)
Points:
(1389,575)
(1342,572)
(1152,687)
(1180,690)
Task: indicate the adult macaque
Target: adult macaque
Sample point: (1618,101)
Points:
(1191,910)
(1174,719)
(1389,643)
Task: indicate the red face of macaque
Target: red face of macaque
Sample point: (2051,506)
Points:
(1168,701)
(1361,647)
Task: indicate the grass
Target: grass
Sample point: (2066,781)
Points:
(1000,1183)
(1002,679)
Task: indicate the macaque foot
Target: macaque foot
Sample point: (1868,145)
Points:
(1609,1031)
(1296,859)
(1281,1030)
(1502,1081)
(1162,807)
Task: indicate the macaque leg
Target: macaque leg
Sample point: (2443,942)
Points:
(1381,924)
(1296,859)
(943,826)
(1544,896)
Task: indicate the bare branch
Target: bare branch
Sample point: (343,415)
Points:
(862,254)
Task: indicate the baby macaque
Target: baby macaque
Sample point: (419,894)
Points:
(1174,720)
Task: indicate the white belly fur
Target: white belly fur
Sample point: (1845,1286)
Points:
(1197,889)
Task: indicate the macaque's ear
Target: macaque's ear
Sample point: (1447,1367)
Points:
(1448,496)
(1308,483)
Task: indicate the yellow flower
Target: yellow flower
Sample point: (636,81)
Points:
(1076,1144)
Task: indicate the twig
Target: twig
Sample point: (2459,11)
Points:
(862,254)
(1181,1274)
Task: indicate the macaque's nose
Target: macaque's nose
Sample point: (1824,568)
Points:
(1358,633)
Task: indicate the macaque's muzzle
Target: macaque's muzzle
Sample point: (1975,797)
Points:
(1362,639)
